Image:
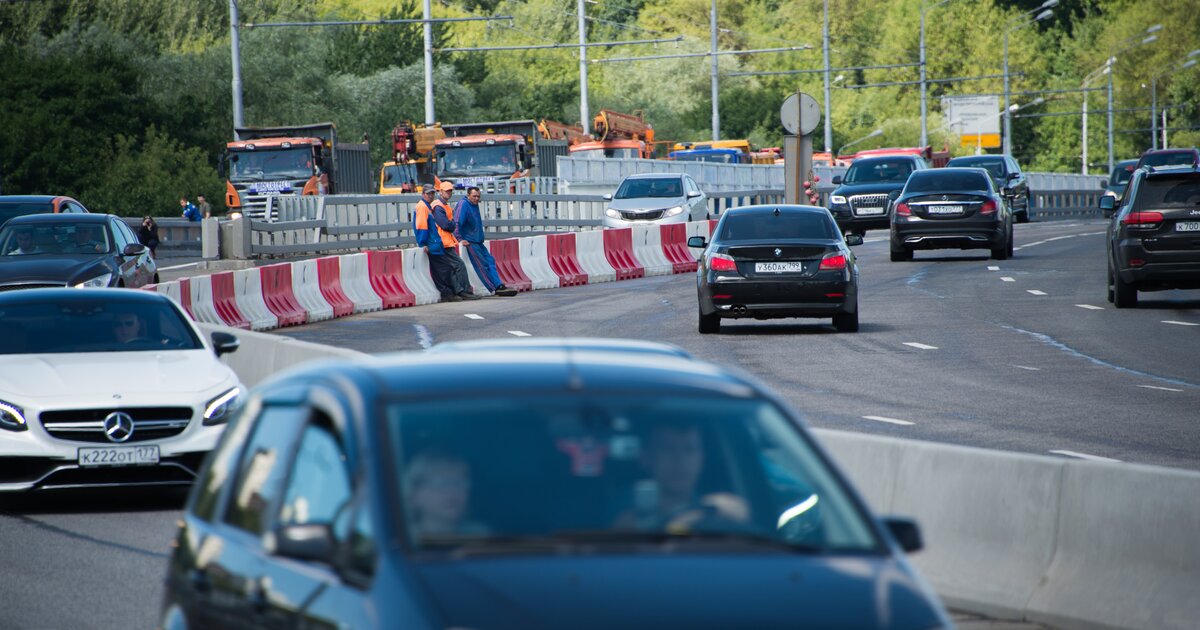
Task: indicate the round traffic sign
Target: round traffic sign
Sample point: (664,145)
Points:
(800,114)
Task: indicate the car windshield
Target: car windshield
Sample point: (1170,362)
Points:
(995,168)
(478,159)
(730,157)
(1172,192)
(867,172)
(270,164)
(520,471)
(398,175)
(10,209)
(93,325)
(58,238)
(638,187)
(766,226)
(934,181)
(1121,174)
(1178,158)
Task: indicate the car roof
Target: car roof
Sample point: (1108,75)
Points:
(769,209)
(1176,150)
(29,198)
(933,172)
(887,158)
(79,296)
(653,175)
(964,159)
(562,343)
(86,218)
(1171,170)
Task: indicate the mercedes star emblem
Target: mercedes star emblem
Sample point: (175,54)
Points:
(118,426)
(945,197)
(778,252)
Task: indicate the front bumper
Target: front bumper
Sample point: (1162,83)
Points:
(847,221)
(610,222)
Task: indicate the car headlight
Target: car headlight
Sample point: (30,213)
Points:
(673,211)
(612,214)
(12,417)
(219,409)
(838,199)
(99,281)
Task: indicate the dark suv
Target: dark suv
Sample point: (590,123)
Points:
(1154,239)
(1010,180)
(1170,157)
(860,202)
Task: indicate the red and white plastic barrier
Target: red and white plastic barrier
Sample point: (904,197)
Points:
(279,296)
(507,252)
(329,277)
(356,283)
(248,296)
(674,246)
(560,249)
(224,300)
(618,249)
(648,249)
(589,250)
(386,272)
(416,274)
(535,262)
(306,286)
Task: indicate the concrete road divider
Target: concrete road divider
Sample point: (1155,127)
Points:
(563,261)
(224,300)
(618,250)
(416,276)
(306,285)
(507,252)
(278,295)
(589,250)
(647,248)
(674,246)
(535,262)
(171,290)
(248,295)
(356,283)
(260,355)
(329,275)
(386,271)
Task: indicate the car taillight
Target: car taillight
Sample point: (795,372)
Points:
(902,210)
(989,207)
(721,262)
(1142,220)
(833,262)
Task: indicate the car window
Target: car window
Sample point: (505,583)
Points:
(1169,159)
(130,237)
(861,172)
(263,468)
(592,467)
(692,185)
(994,167)
(121,238)
(219,467)
(79,326)
(767,226)
(319,487)
(1181,192)
(1121,174)
(12,209)
(938,181)
(634,188)
(362,545)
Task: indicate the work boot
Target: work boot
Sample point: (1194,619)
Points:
(505,291)
(450,298)
(467,296)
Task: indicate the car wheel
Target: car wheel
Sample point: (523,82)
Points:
(1010,242)
(1124,295)
(901,254)
(1111,297)
(1000,251)
(709,324)
(846,322)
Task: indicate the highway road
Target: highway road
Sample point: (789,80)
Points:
(1022,355)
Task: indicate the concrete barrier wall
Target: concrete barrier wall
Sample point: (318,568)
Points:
(260,354)
(1068,543)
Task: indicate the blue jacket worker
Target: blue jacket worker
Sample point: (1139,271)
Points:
(190,212)
(470,231)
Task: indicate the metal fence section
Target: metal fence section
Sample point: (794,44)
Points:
(177,237)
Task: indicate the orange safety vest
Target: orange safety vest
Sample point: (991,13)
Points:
(448,240)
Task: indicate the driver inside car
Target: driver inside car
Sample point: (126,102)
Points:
(128,327)
(670,499)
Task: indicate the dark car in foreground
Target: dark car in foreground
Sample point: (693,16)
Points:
(564,489)
(1007,177)
(860,201)
(1154,239)
(777,261)
(21,205)
(72,250)
(955,208)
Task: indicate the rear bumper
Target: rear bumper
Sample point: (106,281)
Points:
(794,298)
(1163,276)
(963,236)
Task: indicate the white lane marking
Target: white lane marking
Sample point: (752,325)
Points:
(424,337)
(1090,307)
(1093,458)
(1161,389)
(920,346)
(1171,321)
(874,240)
(993,268)
(1008,279)
(174,267)
(1026,367)
(1035,292)
(902,423)
(518,333)
(472,316)
(1056,238)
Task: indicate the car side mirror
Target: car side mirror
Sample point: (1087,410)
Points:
(224,343)
(906,532)
(854,239)
(608,196)
(837,179)
(893,195)
(695,194)
(1014,176)
(312,542)
(133,249)
(697,242)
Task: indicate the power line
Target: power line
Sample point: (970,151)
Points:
(562,45)
(818,71)
(378,22)
(703,54)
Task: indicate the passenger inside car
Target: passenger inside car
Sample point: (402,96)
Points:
(438,485)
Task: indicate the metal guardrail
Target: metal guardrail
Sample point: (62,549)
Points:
(177,237)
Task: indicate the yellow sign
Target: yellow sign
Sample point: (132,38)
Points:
(983,140)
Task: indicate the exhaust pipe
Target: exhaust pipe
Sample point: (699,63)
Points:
(739,310)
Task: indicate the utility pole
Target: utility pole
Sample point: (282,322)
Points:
(584,117)
(716,111)
(825,46)
(236,51)
(430,118)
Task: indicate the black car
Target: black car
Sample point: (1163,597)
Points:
(951,208)
(860,201)
(1008,178)
(1118,180)
(1169,157)
(777,261)
(566,488)
(21,205)
(72,250)
(1154,240)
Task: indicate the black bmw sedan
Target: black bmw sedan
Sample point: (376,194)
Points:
(951,208)
(566,488)
(72,250)
(777,261)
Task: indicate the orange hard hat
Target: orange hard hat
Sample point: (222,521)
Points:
(445,186)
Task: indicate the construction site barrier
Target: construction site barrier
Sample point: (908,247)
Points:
(356,283)
(278,294)
(416,274)
(507,252)
(674,246)
(560,249)
(248,295)
(618,250)
(647,248)
(386,272)
(535,262)
(306,286)
(699,228)
(589,249)
(215,301)
(329,275)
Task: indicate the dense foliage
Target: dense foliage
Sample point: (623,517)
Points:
(126,104)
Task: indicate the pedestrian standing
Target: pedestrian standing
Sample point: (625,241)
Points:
(190,212)
(434,233)
(443,215)
(470,231)
(148,235)
(204,207)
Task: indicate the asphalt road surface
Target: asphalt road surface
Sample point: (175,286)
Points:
(1022,355)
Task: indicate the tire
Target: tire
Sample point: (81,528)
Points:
(1010,242)
(1000,252)
(1124,295)
(709,324)
(846,322)
(902,255)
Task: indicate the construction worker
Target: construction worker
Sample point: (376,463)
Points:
(442,247)
(429,238)
(470,230)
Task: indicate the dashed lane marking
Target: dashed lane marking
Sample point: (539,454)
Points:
(518,333)
(1093,458)
(902,423)
(1008,279)
(1035,292)
(1026,367)
(919,346)
(424,337)
(1171,321)
(993,268)
(1056,238)
(1090,307)
(472,316)
(1161,389)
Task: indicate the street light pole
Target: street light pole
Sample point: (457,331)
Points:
(825,46)
(235,49)
(583,69)
(430,118)
(716,108)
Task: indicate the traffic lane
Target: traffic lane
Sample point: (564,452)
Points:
(86,559)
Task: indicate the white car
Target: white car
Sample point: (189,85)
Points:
(107,387)
(655,198)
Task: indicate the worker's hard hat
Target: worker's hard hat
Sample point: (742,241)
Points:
(445,186)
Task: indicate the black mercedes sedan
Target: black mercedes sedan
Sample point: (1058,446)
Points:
(566,488)
(777,261)
(72,250)
(951,208)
